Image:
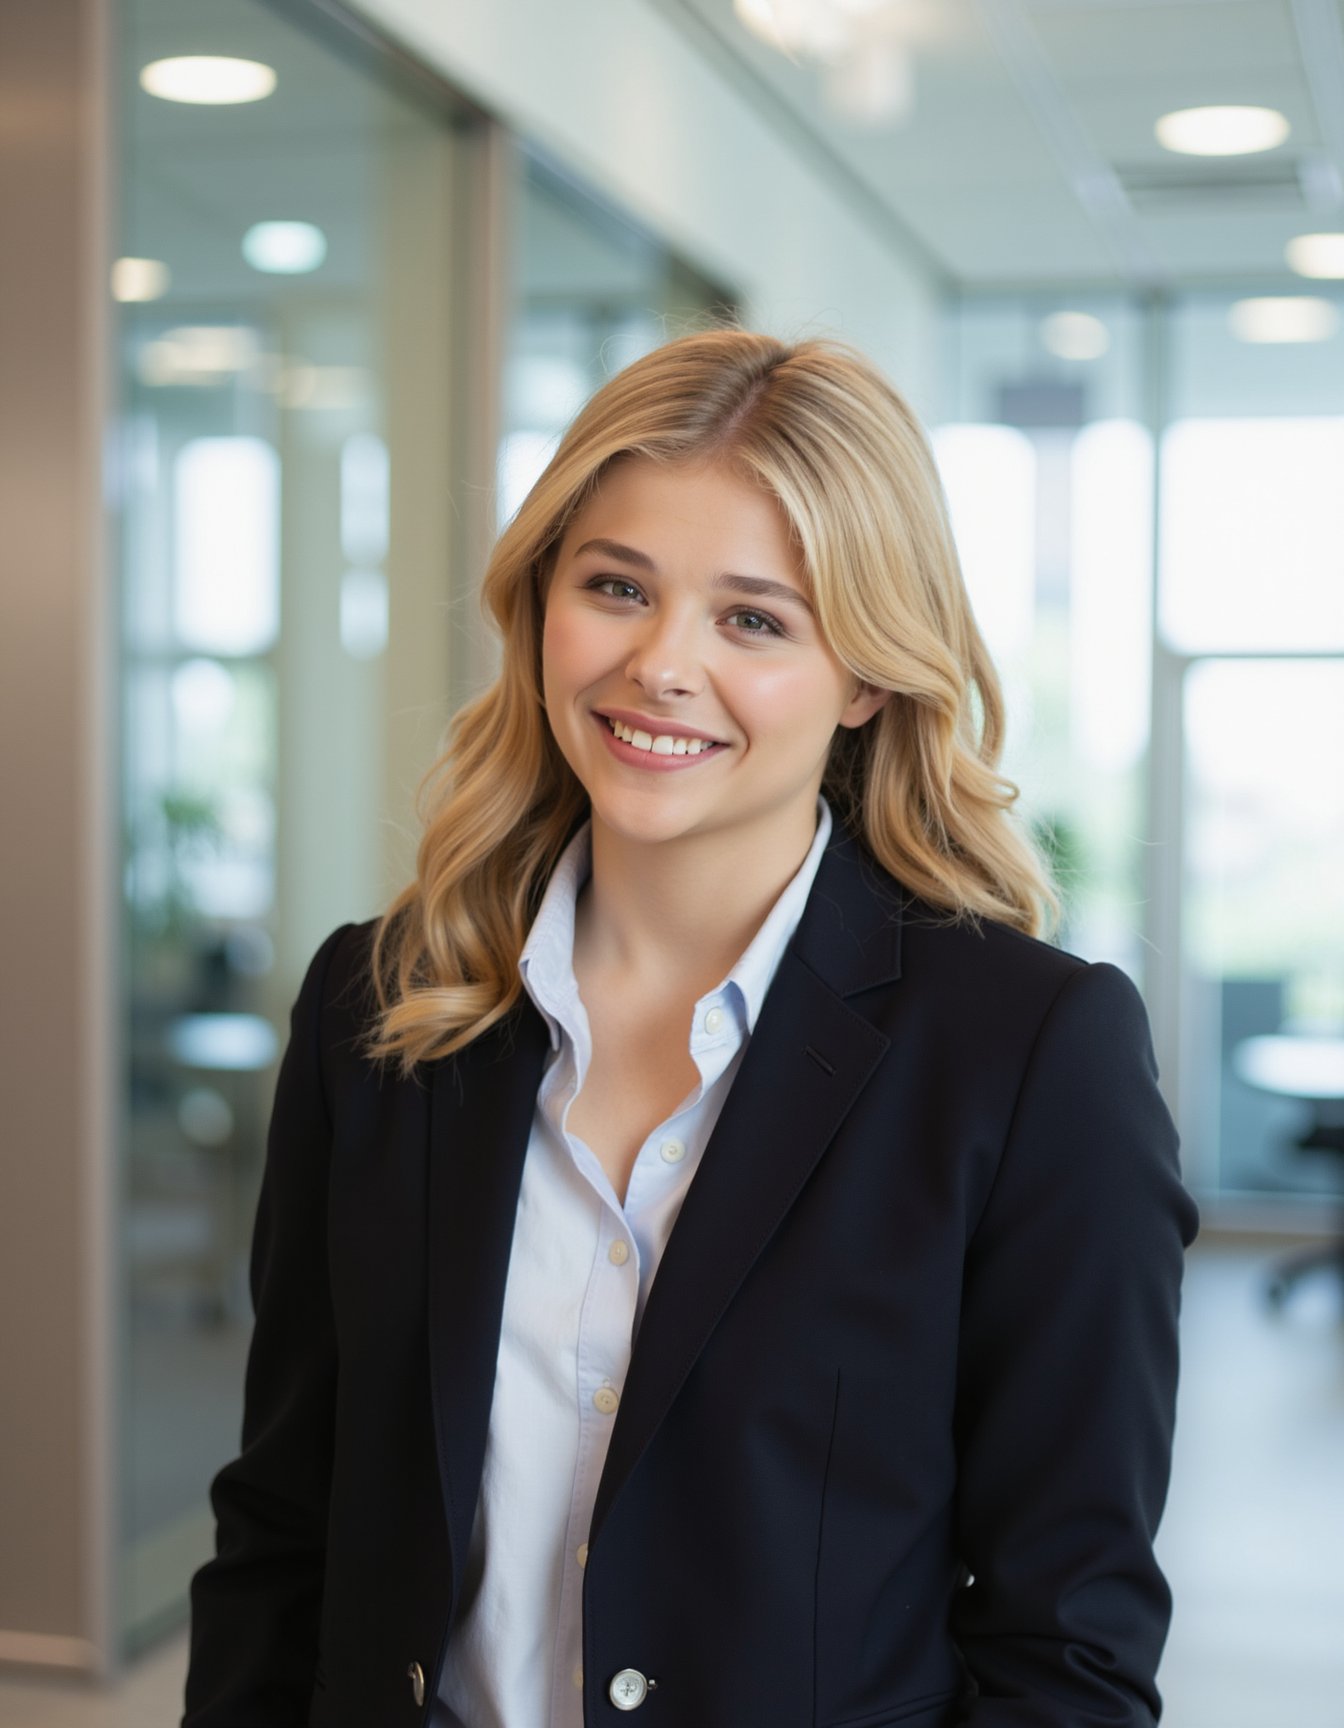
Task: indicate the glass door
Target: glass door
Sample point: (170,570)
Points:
(292,247)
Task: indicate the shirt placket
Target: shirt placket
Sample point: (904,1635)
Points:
(616,1293)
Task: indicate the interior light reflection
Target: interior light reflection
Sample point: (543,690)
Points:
(211,80)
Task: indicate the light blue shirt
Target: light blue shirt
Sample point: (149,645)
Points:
(580,1271)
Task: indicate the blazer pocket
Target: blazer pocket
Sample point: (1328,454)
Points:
(933,1710)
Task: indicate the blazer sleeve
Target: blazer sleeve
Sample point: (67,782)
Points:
(255,1608)
(1067,1378)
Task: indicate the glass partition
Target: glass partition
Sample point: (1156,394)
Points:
(1250,656)
(1177,735)
(1047,460)
(288,282)
(595,291)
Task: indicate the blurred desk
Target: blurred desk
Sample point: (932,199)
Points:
(219,1046)
(231,1043)
(1309,1067)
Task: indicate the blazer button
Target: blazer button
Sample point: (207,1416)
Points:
(416,1674)
(628,1689)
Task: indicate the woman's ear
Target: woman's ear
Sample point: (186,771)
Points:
(864,703)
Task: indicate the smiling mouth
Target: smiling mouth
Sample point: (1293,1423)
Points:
(660,743)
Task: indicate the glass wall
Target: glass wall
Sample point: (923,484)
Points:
(595,291)
(1150,516)
(1046,455)
(1250,661)
(283,475)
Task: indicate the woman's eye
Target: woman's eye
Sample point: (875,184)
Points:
(616,586)
(755,623)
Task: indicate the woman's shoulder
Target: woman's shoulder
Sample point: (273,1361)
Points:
(337,994)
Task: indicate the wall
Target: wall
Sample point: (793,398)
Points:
(58,1126)
(621,95)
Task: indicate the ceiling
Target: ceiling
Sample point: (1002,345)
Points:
(1029,158)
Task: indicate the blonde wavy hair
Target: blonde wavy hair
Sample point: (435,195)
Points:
(817,426)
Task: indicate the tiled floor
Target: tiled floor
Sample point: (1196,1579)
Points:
(1253,1540)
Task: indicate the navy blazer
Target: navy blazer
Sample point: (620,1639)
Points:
(896,1432)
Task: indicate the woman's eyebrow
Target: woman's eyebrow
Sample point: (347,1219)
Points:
(614,549)
(762,587)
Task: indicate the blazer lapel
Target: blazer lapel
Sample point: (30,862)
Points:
(809,1057)
(480,1121)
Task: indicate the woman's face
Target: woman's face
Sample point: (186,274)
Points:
(686,679)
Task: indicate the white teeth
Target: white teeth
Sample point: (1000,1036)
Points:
(662,744)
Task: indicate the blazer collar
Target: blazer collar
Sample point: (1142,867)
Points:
(850,931)
(480,1122)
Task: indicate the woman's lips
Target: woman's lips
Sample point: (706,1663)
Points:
(655,750)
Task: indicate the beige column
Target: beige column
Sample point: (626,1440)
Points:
(58,1126)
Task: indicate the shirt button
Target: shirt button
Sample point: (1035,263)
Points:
(606,1399)
(577,1678)
(581,1554)
(673,1151)
(619,1252)
(628,1689)
(714,1021)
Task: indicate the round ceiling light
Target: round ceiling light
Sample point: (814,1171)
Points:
(1221,131)
(210,79)
(1075,335)
(1283,318)
(816,28)
(135,279)
(1319,255)
(284,248)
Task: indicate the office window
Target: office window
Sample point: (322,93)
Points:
(1048,470)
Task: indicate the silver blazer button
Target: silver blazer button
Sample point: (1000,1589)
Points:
(628,1689)
(416,1674)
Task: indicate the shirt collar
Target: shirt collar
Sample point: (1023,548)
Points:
(755,971)
(546,964)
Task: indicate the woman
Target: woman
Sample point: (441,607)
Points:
(719,964)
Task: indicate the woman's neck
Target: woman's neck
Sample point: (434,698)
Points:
(677,915)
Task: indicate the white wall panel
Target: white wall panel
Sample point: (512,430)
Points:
(620,95)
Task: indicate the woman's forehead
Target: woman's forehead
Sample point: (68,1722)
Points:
(707,507)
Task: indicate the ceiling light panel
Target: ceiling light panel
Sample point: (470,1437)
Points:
(139,279)
(210,80)
(284,248)
(1283,318)
(1221,131)
(1074,336)
(1317,255)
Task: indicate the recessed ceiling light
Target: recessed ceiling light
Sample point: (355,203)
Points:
(207,78)
(139,279)
(1221,131)
(1284,318)
(1075,335)
(812,27)
(1320,255)
(284,248)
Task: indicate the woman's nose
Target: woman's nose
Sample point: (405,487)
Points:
(666,659)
